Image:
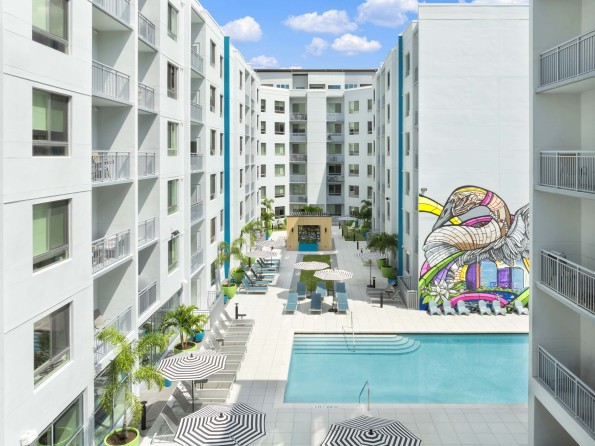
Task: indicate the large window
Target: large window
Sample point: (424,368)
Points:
(354,148)
(213,186)
(279,191)
(353,107)
(172,196)
(263,105)
(354,170)
(172,21)
(279,211)
(172,254)
(263,148)
(213,142)
(354,191)
(51,343)
(279,149)
(354,128)
(50,23)
(172,81)
(50,233)
(279,128)
(172,139)
(279,170)
(263,170)
(67,429)
(213,229)
(213,54)
(279,107)
(50,124)
(212,99)
(263,127)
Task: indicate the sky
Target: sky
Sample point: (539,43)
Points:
(318,33)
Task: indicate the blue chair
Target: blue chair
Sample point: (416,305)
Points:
(462,308)
(321,289)
(315,303)
(447,307)
(498,308)
(518,307)
(259,277)
(483,308)
(249,288)
(433,308)
(342,303)
(340,287)
(301,290)
(255,282)
(292,302)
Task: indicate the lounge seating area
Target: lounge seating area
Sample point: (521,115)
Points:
(482,307)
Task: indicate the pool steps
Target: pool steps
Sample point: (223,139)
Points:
(364,344)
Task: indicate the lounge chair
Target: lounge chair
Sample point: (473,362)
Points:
(292,302)
(233,330)
(232,357)
(249,288)
(301,290)
(340,287)
(518,307)
(315,303)
(240,322)
(231,338)
(447,307)
(172,421)
(498,308)
(225,349)
(342,303)
(462,308)
(262,275)
(181,401)
(321,289)
(483,308)
(269,264)
(433,308)
(255,281)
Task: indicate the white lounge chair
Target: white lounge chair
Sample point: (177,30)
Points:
(518,307)
(172,422)
(498,310)
(447,307)
(462,308)
(433,308)
(483,308)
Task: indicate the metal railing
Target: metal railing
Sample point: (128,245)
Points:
(252,104)
(338,158)
(196,60)
(575,395)
(110,83)
(247,159)
(195,111)
(568,60)
(297,137)
(146,29)
(335,199)
(196,261)
(407,295)
(197,212)
(147,164)
(336,137)
(298,158)
(359,399)
(298,117)
(146,96)
(568,279)
(120,9)
(334,117)
(298,198)
(146,231)
(108,250)
(252,158)
(123,323)
(147,297)
(334,178)
(196,162)
(568,170)
(109,166)
(247,100)
(297,178)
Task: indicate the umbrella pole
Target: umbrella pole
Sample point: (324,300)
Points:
(192,395)
(370,274)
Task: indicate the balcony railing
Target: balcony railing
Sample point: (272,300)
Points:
(195,112)
(569,60)
(196,61)
(407,292)
(123,323)
(109,166)
(297,137)
(298,198)
(337,158)
(298,158)
(146,96)
(568,170)
(252,158)
(247,130)
(147,297)
(108,250)
(252,104)
(247,159)
(120,9)
(196,212)
(336,137)
(146,231)
(296,178)
(334,199)
(247,100)
(196,261)
(146,29)
(334,117)
(196,162)
(572,393)
(110,83)
(298,117)
(334,178)
(147,164)
(569,280)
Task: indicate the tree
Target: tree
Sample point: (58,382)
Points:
(266,212)
(223,256)
(365,213)
(385,243)
(123,371)
(313,209)
(186,321)
(254,231)
(237,252)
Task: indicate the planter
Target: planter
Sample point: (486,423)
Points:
(237,277)
(59,432)
(199,336)
(308,247)
(225,299)
(135,442)
(268,234)
(381,262)
(387,272)
(193,347)
(229,291)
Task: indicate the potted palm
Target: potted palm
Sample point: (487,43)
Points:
(267,215)
(185,320)
(123,371)
(387,244)
(237,253)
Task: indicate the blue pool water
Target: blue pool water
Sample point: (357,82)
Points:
(409,369)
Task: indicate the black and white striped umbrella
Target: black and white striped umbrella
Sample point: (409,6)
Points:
(259,254)
(191,366)
(370,431)
(273,243)
(310,266)
(335,275)
(221,425)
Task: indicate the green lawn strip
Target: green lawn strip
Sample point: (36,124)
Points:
(308,276)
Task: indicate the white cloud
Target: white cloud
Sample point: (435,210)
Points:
(501,2)
(243,30)
(317,46)
(351,44)
(264,62)
(330,22)
(387,13)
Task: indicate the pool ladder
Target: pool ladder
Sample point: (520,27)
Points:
(367,384)
(352,332)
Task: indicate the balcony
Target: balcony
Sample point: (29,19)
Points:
(297,137)
(146,97)
(575,284)
(110,249)
(252,158)
(336,137)
(335,117)
(298,117)
(196,60)
(119,9)
(196,261)
(246,130)
(146,232)
(147,297)
(197,212)
(298,198)
(568,389)
(334,199)
(247,100)
(109,167)
(335,158)
(570,62)
(297,178)
(146,31)
(572,171)
(252,104)
(110,84)
(196,163)
(147,165)
(196,112)
(246,159)
(123,323)
(334,178)
(298,158)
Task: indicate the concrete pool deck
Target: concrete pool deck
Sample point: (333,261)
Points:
(261,379)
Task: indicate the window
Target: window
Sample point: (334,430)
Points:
(213,142)
(241,210)
(213,272)
(241,177)
(388,80)
(221,182)
(221,220)
(407,222)
(279,149)
(263,170)
(388,210)
(279,191)
(279,170)
(221,144)
(51,343)
(354,170)
(279,211)
(213,53)
(263,105)
(172,254)
(50,124)
(279,128)
(316,86)
(353,107)
(66,429)
(334,189)
(279,107)
(388,178)
(172,81)
(333,87)
(50,23)
(407,104)
(407,143)
(370,129)
(407,64)
(212,98)
(370,149)
(172,197)
(241,144)
(263,127)
(257,172)
(354,148)
(407,260)
(241,80)
(172,21)
(241,113)
(263,148)
(220,67)
(172,139)
(387,113)
(221,105)
(213,228)
(354,128)
(370,171)
(284,86)
(369,104)
(369,192)
(407,183)
(263,191)
(50,233)
(213,186)
(350,86)
(354,191)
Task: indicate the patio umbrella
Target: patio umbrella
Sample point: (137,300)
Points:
(311,266)
(221,425)
(335,275)
(273,243)
(370,255)
(260,254)
(370,431)
(192,366)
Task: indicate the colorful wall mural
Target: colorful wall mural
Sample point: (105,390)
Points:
(476,250)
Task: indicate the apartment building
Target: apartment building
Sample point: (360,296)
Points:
(562,371)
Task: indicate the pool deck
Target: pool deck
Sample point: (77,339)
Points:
(261,379)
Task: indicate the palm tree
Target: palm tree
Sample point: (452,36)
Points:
(365,213)
(123,371)
(186,321)
(254,231)
(266,212)
(385,243)
(223,256)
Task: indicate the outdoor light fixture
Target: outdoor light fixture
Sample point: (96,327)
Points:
(291,229)
(325,230)
(424,190)
(175,233)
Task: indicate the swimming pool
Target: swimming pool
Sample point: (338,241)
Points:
(436,368)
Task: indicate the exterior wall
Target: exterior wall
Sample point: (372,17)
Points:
(326,237)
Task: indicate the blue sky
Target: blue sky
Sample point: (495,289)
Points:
(317,33)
